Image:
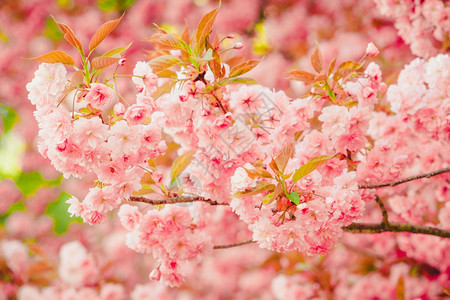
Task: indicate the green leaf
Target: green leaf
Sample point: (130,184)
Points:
(29,183)
(9,118)
(294,197)
(310,166)
(208,55)
(110,5)
(260,187)
(242,80)
(58,211)
(181,163)
(267,199)
(18,206)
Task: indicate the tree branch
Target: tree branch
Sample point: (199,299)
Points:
(383,210)
(177,199)
(400,181)
(234,245)
(395,227)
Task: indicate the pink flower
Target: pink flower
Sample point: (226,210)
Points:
(99,95)
(137,113)
(130,216)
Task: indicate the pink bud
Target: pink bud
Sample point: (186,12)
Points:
(155,275)
(122,62)
(119,109)
(372,50)
(230,36)
(238,46)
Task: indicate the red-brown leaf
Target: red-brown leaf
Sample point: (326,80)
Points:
(102,32)
(204,28)
(301,76)
(69,35)
(54,57)
(102,62)
(243,68)
(316,60)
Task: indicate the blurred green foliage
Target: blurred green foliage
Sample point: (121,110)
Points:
(58,211)
(119,5)
(9,118)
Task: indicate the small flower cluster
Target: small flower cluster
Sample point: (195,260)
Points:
(115,148)
(169,234)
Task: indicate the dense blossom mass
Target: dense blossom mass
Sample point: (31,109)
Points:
(194,157)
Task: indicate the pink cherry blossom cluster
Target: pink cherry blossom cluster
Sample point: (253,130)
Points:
(115,148)
(422,24)
(169,234)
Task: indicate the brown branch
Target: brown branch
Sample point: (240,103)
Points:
(383,210)
(177,199)
(400,181)
(234,245)
(395,227)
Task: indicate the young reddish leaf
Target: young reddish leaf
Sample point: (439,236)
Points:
(166,41)
(102,62)
(204,28)
(400,289)
(163,89)
(316,59)
(310,166)
(180,164)
(185,35)
(77,79)
(331,67)
(346,68)
(301,76)
(260,187)
(243,68)
(69,35)
(117,52)
(273,165)
(163,62)
(54,57)
(282,159)
(102,32)
(277,192)
(258,172)
(234,61)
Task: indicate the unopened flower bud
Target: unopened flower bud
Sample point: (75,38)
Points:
(119,109)
(155,275)
(372,50)
(238,46)
(122,62)
(230,36)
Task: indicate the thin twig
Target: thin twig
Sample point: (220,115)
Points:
(400,181)
(383,210)
(174,200)
(234,245)
(395,227)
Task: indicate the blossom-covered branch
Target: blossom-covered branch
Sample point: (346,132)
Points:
(395,227)
(400,181)
(178,199)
